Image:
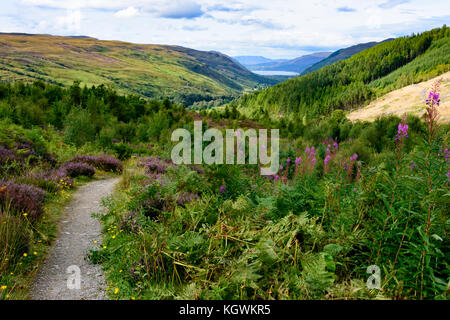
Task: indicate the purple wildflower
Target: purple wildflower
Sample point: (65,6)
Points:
(298,160)
(433,98)
(327,160)
(402,132)
(335,145)
(222,190)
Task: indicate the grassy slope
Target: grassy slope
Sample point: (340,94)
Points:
(409,99)
(339,55)
(149,70)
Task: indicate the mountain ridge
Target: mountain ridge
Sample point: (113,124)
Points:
(154,71)
(342,54)
(294,65)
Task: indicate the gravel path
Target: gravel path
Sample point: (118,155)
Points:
(77,232)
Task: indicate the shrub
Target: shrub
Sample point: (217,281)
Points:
(22,198)
(78,127)
(76,169)
(49,180)
(122,150)
(10,162)
(186,197)
(105,163)
(155,164)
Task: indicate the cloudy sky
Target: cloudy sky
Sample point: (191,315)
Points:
(271,28)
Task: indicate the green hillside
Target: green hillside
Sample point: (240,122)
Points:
(351,83)
(341,54)
(153,71)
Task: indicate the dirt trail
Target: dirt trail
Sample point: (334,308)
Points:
(77,232)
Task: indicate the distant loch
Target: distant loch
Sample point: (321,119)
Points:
(275,73)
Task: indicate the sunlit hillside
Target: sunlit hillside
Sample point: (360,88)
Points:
(186,75)
(409,99)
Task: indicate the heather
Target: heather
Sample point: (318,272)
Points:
(22,198)
(76,169)
(103,162)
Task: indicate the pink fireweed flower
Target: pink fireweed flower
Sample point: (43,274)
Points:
(353,157)
(402,132)
(277,177)
(307,150)
(222,189)
(326,162)
(298,160)
(432,114)
(433,99)
(335,145)
(448,174)
(281,167)
(288,160)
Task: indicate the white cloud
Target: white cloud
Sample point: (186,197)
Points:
(70,22)
(127,13)
(278,29)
